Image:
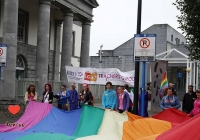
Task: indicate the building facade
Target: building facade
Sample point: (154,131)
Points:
(43,36)
(167,38)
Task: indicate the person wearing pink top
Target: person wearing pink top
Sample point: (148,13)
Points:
(196,109)
(122,100)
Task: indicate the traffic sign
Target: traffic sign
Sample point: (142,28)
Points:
(144,47)
(3,55)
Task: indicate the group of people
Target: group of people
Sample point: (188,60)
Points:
(67,99)
(190,103)
(120,101)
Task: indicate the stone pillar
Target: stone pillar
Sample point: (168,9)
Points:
(42,56)
(66,44)
(58,24)
(10,23)
(85,44)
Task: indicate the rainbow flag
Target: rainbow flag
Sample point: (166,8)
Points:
(164,83)
(92,123)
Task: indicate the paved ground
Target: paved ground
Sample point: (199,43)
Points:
(4,119)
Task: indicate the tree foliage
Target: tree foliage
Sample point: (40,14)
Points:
(189,23)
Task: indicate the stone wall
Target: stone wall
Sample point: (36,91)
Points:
(28,53)
(51,65)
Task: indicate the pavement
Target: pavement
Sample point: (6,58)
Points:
(4,119)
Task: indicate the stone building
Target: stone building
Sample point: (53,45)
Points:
(167,39)
(43,36)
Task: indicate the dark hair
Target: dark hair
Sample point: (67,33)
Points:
(49,85)
(198,91)
(109,83)
(121,86)
(126,86)
(64,86)
(29,89)
(190,86)
(172,89)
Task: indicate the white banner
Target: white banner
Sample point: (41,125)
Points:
(99,76)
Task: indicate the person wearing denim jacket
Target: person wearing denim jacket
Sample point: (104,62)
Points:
(170,100)
(123,100)
(109,97)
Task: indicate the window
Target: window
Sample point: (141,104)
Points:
(177,41)
(20,63)
(73,43)
(172,38)
(22,26)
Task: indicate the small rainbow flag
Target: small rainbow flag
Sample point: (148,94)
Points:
(164,83)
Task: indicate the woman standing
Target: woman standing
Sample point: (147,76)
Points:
(47,94)
(86,95)
(63,98)
(170,100)
(196,110)
(131,97)
(122,100)
(30,94)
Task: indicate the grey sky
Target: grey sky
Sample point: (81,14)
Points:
(115,21)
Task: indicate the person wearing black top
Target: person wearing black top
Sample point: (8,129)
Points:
(86,93)
(47,94)
(188,100)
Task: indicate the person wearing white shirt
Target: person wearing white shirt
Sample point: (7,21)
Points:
(131,96)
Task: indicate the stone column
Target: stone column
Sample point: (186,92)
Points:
(58,24)
(66,44)
(42,56)
(85,44)
(10,23)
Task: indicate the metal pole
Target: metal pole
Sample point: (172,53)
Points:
(0,83)
(137,64)
(100,55)
(197,77)
(143,88)
(187,77)
(191,70)
(100,62)
(194,75)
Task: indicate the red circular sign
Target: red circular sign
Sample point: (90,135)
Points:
(1,51)
(144,43)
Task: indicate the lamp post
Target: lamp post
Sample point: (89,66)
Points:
(100,56)
(137,64)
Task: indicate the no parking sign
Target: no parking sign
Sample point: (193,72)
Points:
(3,55)
(144,47)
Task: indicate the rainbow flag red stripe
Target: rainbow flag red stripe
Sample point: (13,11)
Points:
(164,83)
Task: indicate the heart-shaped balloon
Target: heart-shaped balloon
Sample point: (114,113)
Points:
(14,109)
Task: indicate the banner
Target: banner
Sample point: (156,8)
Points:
(99,76)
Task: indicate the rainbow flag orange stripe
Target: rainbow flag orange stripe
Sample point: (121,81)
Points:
(164,83)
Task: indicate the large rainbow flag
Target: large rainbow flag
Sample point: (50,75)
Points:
(164,83)
(44,122)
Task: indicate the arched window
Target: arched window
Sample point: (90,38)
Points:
(20,67)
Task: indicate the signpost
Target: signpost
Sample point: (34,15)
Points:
(3,56)
(144,51)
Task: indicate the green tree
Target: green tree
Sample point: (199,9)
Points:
(189,23)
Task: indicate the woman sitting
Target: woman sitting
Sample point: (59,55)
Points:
(170,100)
(30,94)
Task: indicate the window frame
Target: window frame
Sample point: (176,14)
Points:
(73,42)
(26,13)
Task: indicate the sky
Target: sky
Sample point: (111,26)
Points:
(115,21)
